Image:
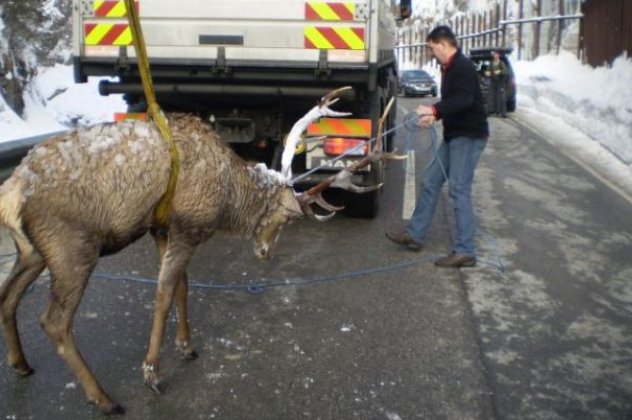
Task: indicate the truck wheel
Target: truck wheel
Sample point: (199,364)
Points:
(367,205)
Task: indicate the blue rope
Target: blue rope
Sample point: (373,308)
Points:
(410,122)
(258,288)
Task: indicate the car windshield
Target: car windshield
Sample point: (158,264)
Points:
(415,74)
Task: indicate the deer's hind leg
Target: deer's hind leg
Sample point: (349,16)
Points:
(28,265)
(183,337)
(71,265)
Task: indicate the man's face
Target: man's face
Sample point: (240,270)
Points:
(438,50)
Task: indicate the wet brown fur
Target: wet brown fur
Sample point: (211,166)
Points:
(76,197)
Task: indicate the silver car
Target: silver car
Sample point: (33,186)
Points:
(417,83)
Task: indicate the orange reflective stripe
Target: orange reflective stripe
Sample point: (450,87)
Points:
(121,116)
(111,8)
(341,38)
(334,11)
(107,34)
(347,127)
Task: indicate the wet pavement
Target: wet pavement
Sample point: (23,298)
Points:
(355,327)
(556,327)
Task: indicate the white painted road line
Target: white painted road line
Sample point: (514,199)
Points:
(410,187)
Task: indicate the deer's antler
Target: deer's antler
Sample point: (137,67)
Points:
(320,110)
(332,97)
(342,180)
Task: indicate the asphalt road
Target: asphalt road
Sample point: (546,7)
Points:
(354,327)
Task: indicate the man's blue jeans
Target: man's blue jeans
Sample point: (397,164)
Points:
(458,158)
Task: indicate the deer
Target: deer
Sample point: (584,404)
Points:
(93,191)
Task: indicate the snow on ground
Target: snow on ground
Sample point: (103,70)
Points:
(585,111)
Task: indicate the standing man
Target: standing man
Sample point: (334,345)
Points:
(465,133)
(497,74)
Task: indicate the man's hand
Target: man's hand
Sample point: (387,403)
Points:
(426,114)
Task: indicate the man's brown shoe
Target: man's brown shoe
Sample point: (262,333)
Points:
(456,261)
(403,238)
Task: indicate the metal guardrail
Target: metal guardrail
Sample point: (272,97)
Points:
(12,152)
(540,19)
(474,38)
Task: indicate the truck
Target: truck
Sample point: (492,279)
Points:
(252,68)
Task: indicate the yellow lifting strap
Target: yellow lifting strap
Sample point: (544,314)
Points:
(153,109)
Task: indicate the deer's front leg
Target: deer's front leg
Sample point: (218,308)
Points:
(174,262)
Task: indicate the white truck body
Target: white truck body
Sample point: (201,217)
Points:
(249,30)
(252,66)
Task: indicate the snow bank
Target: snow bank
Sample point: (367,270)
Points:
(596,101)
(55,102)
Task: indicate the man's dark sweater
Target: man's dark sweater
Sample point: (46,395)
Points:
(461,108)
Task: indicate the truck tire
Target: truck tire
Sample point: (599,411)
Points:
(367,205)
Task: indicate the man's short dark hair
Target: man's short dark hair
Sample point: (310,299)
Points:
(442,33)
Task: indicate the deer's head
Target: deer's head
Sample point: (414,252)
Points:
(286,204)
(282,210)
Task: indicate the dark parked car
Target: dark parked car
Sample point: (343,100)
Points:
(417,82)
(482,58)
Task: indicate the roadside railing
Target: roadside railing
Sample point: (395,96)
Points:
(12,152)
(494,28)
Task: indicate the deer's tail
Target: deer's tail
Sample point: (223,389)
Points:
(11,203)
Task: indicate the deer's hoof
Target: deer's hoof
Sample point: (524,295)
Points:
(150,377)
(114,410)
(186,351)
(188,354)
(109,408)
(23,369)
(156,386)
